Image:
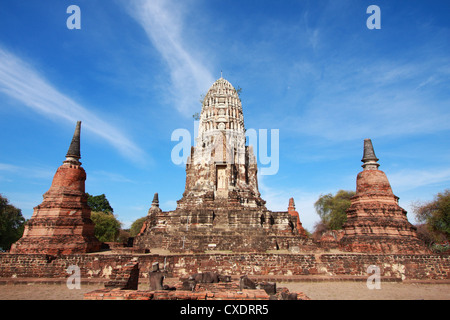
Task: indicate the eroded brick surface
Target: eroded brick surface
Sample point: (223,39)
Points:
(267,266)
(61,224)
(375,221)
(206,286)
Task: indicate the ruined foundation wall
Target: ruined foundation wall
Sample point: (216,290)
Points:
(244,241)
(420,266)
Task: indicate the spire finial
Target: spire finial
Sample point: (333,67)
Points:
(291,204)
(369,158)
(73,154)
(155,202)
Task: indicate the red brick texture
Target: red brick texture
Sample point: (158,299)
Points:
(61,224)
(402,266)
(375,221)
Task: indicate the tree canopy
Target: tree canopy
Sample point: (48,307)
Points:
(107,227)
(332,209)
(12,223)
(99,204)
(136,226)
(436,215)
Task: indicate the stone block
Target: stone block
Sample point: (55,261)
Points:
(246,283)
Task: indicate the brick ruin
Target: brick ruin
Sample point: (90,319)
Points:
(375,221)
(275,267)
(221,208)
(220,225)
(61,224)
(199,286)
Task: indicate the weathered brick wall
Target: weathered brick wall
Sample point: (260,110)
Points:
(236,264)
(101,265)
(45,266)
(420,266)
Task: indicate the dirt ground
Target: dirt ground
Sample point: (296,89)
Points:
(359,291)
(314,290)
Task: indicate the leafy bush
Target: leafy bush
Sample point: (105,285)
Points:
(107,227)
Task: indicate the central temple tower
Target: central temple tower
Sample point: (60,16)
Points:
(221,166)
(221,207)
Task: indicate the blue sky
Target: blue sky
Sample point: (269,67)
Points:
(135,72)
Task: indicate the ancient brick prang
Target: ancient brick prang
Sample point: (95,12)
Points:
(375,221)
(221,207)
(61,224)
(221,166)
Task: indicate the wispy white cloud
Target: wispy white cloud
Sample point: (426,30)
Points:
(355,100)
(411,179)
(163,22)
(19,80)
(8,167)
(110,176)
(34,172)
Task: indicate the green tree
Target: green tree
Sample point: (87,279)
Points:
(12,223)
(136,226)
(436,215)
(332,209)
(99,203)
(107,227)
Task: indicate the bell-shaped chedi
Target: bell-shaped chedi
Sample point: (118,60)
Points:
(375,221)
(153,216)
(61,224)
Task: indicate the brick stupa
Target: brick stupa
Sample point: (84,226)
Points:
(294,213)
(61,224)
(221,207)
(375,221)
